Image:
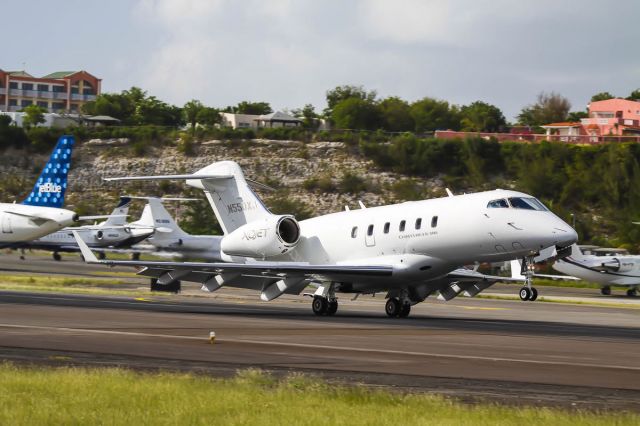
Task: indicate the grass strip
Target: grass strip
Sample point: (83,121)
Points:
(55,396)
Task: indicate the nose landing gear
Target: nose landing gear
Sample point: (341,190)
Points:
(528,292)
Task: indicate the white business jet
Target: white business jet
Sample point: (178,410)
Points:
(409,250)
(607,270)
(114,232)
(171,240)
(41,213)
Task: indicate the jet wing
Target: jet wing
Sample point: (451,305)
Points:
(268,272)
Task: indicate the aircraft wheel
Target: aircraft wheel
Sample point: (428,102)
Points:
(605,291)
(405,310)
(525,294)
(135,256)
(56,256)
(632,292)
(320,305)
(393,307)
(102,255)
(534,294)
(332,307)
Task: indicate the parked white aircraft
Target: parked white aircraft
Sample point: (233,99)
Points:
(619,270)
(41,213)
(409,250)
(111,233)
(169,239)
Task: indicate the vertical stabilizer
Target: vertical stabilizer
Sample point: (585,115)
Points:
(233,201)
(51,186)
(118,216)
(162,219)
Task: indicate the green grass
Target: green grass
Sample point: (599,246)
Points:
(45,396)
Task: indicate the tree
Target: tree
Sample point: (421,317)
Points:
(634,96)
(549,108)
(308,116)
(208,116)
(602,96)
(432,114)
(254,108)
(347,91)
(577,115)
(356,113)
(481,117)
(191,110)
(396,115)
(34,115)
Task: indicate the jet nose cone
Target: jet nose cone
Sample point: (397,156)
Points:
(566,235)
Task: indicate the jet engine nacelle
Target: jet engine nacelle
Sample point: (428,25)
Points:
(262,238)
(618,265)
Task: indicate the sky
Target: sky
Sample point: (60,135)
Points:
(290,52)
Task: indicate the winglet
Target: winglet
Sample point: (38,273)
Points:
(449,193)
(88,255)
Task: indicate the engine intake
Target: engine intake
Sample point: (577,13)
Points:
(263,238)
(618,265)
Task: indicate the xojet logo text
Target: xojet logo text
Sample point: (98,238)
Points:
(50,188)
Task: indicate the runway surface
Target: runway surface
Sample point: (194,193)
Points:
(532,353)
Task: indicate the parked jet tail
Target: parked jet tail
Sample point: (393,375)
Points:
(52,184)
(155,215)
(118,216)
(228,191)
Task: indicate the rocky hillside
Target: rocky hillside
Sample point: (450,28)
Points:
(323,176)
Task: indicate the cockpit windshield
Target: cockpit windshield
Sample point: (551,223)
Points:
(527,204)
(498,204)
(517,203)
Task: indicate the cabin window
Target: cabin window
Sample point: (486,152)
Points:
(386,227)
(419,223)
(498,204)
(403,223)
(434,221)
(370,230)
(354,232)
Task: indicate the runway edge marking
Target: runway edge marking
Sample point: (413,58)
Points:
(310,346)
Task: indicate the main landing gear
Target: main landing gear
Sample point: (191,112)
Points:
(632,292)
(324,306)
(397,308)
(56,256)
(528,292)
(605,291)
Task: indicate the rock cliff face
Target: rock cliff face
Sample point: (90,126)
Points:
(285,165)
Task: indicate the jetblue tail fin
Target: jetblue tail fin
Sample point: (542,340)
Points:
(52,184)
(118,216)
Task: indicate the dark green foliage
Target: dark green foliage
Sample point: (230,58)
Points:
(432,114)
(351,183)
(602,96)
(577,115)
(255,108)
(10,135)
(356,113)
(481,117)
(396,115)
(407,190)
(549,108)
(197,217)
(34,115)
(282,203)
(634,96)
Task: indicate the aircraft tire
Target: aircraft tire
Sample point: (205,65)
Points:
(525,294)
(135,256)
(332,307)
(534,294)
(393,307)
(405,310)
(320,305)
(102,255)
(605,291)
(632,292)
(56,256)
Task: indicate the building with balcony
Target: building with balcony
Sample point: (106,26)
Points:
(611,117)
(62,91)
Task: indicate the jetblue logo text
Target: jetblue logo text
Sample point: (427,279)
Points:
(254,234)
(240,207)
(49,187)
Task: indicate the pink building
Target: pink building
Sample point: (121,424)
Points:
(612,117)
